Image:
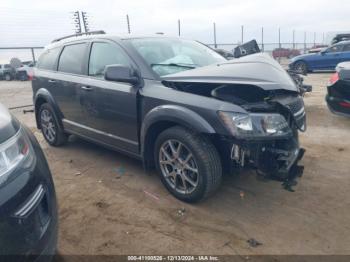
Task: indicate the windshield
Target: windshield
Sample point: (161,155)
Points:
(167,55)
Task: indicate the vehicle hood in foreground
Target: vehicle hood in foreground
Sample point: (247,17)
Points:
(259,70)
(8,125)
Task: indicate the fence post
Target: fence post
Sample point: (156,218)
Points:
(293,39)
(242,34)
(279,37)
(215,45)
(262,39)
(179,26)
(33,54)
(304,42)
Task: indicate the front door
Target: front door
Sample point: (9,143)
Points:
(110,108)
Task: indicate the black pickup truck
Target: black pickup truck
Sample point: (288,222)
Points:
(173,103)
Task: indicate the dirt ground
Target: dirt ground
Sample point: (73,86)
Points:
(108,205)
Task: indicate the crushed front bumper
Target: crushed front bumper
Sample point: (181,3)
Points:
(276,159)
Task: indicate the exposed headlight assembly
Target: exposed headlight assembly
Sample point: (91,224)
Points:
(15,151)
(255,124)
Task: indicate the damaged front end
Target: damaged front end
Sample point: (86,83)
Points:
(266,135)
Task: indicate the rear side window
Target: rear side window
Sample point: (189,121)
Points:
(103,54)
(71,59)
(48,59)
(346,48)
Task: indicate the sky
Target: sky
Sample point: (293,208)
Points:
(36,23)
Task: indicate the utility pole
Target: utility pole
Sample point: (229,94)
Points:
(128,23)
(76,22)
(242,34)
(179,27)
(215,45)
(85,21)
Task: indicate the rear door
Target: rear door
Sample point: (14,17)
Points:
(346,53)
(331,57)
(110,108)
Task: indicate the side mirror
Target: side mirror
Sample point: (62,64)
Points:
(323,52)
(121,73)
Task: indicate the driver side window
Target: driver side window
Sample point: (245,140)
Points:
(103,54)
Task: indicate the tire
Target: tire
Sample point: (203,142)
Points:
(177,167)
(301,67)
(50,127)
(7,77)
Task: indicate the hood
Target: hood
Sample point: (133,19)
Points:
(253,70)
(8,125)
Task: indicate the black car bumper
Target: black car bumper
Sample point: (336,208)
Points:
(28,211)
(338,98)
(276,159)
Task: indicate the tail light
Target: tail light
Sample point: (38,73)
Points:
(345,104)
(334,78)
(30,76)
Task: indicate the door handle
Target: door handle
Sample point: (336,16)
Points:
(52,81)
(87,88)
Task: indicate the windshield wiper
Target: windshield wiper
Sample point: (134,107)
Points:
(175,64)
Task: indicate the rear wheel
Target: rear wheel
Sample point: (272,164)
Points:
(188,163)
(50,127)
(301,67)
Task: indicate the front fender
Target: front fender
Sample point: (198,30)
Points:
(176,114)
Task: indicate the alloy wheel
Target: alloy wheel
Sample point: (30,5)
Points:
(178,166)
(48,125)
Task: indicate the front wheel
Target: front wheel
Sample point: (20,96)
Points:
(188,163)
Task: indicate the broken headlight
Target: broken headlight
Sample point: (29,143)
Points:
(17,150)
(255,124)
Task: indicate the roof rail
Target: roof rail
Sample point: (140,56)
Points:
(99,32)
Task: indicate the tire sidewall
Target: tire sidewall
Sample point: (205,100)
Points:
(49,108)
(199,192)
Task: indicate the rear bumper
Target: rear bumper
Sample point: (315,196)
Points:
(334,105)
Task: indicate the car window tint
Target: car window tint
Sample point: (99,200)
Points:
(71,59)
(346,48)
(336,48)
(103,54)
(48,59)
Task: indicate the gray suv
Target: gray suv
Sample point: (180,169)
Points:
(173,103)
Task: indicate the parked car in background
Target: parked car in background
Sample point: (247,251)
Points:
(173,103)
(28,210)
(340,37)
(338,90)
(317,48)
(6,72)
(25,72)
(327,59)
(285,52)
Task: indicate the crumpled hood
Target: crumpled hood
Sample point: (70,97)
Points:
(8,125)
(257,69)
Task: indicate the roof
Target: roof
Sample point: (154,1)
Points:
(72,38)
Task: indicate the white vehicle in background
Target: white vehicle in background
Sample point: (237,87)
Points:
(25,71)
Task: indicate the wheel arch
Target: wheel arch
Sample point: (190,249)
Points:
(162,118)
(43,96)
